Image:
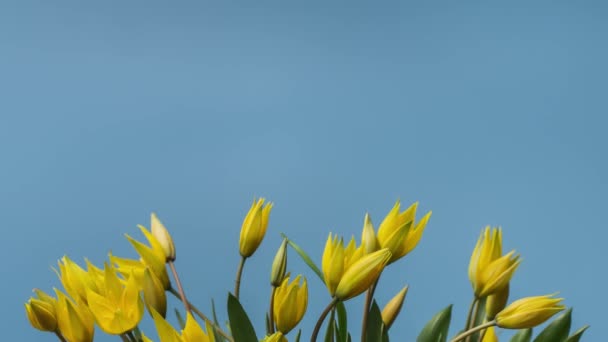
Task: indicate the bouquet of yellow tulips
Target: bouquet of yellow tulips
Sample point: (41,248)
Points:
(114,298)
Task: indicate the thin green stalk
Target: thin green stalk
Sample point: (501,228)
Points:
(132,336)
(315,332)
(471,315)
(200,314)
(61,338)
(271,310)
(368,302)
(239,273)
(179,287)
(125,338)
(473,330)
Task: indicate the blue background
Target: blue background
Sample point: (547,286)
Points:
(485,113)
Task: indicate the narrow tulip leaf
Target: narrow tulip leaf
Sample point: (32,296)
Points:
(374,324)
(305,257)
(180,319)
(576,337)
(558,329)
(523,335)
(240,324)
(342,322)
(298,335)
(137,333)
(337,332)
(436,330)
(329,333)
(213,312)
(268,327)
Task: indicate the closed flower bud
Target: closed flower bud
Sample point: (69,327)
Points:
(290,302)
(254,227)
(393,307)
(529,312)
(41,312)
(333,262)
(362,274)
(368,236)
(163,237)
(154,293)
(496,302)
(279,265)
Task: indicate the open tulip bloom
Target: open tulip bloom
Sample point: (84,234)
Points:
(116,297)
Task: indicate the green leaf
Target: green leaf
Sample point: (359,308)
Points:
(240,325)
(558,330)
(342,328)
(523,335)
(305,258)
(215,320)
(329,333)
(577,335)
(298,335)
(436,330)
(180,319)
(374,324)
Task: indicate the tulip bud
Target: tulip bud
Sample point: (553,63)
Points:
(333,262)
(279,265)
(368,237)
(362,274)
(496,302)
(41,312)
(393,307)
(529,312)
(164,238)
(254,227)
(290,302)
(154,293)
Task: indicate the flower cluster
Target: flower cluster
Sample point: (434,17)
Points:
(115,297)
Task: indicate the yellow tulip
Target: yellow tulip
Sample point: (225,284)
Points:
(279,265)
(399,231)
(290,302)
(117,309)
(333,262)
(490,272)
(163,237)
(74,279)
(369,241)
(152,256)
(75,321)
(362,274)
(496,302)
(254,227)
(41,312)
(154,293)
(192,331)
(393,307)
(490,335)
(529,312)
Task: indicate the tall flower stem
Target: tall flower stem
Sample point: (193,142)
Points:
(239,273)
(470,319)
(60,337)
(271,311)
(315,332)
(368,302)
(473,330)
(182,294)
(125,338)
(473,317)
(200,314)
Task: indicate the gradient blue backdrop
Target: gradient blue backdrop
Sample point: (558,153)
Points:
(485,113)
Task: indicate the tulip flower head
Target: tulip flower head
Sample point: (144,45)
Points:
(399,231)
(393,307)
(279,265)
(529,312)
(152,256)
(75,321)
(290,302)
(254,227)
(163,237)
(41,311)
(192,332)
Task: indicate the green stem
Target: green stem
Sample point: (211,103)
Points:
(472,315)
(125,338)
(271,311)
(239,273)
(200,314)
(315,332)
(473,330)
(61,338)
(368,302)
(182,294)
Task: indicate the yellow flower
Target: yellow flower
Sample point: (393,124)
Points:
(279,265)
(489,272)
(276,337)
(192,331)
(117,309)
(359,276)
(41,311)
(393,307)
(74,279)
(333,262)
(154,293)
(490,335)
(529,312)
(74,320)
(399,231)
(163,237)
(152,256)
(290,302)
(368,236)
(254,227)
(496,302)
